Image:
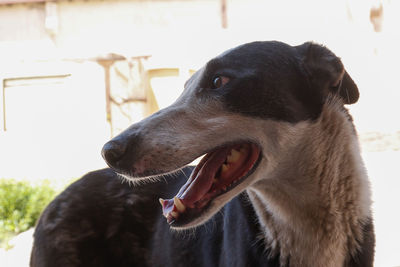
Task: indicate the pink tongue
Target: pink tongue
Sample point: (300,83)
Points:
(196,187)
(200,181)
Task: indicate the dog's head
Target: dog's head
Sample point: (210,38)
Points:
(232,110)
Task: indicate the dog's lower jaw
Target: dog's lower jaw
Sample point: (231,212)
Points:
(315,216)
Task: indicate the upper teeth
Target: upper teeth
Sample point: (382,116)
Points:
(179,205)
(224,168)
(174,214)
(233,156)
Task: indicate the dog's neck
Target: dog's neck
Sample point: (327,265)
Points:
(315,198)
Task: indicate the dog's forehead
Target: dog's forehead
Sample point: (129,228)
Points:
(253,54)
(245,58)
(266,80)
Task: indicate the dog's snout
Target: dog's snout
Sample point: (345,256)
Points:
(113,151)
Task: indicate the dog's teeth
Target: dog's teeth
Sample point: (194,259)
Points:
(179,205)
(233,157)
(224,167)
(174,214)
(161,201)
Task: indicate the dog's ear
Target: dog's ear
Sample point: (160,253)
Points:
(326,72)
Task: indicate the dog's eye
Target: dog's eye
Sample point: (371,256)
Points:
(219,81)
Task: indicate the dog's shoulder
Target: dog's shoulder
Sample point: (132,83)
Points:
(98,209)
(102,196)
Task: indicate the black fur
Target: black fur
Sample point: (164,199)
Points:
(100,221)
(365,256)
(273,80)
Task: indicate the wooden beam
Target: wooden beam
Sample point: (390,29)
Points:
(11,2)
(106,64)
(224,16)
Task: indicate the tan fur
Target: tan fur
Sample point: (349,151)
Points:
(314,202)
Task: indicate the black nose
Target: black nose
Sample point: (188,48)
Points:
(113,152)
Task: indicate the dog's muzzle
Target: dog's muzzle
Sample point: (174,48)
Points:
(119,152)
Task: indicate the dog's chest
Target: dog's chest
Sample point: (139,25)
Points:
(230,238)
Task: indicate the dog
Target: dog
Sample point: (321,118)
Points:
(281,183)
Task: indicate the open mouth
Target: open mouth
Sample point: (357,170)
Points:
(217,173)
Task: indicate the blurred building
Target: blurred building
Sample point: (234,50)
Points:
(74,73)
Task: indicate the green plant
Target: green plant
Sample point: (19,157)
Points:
(21,204)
